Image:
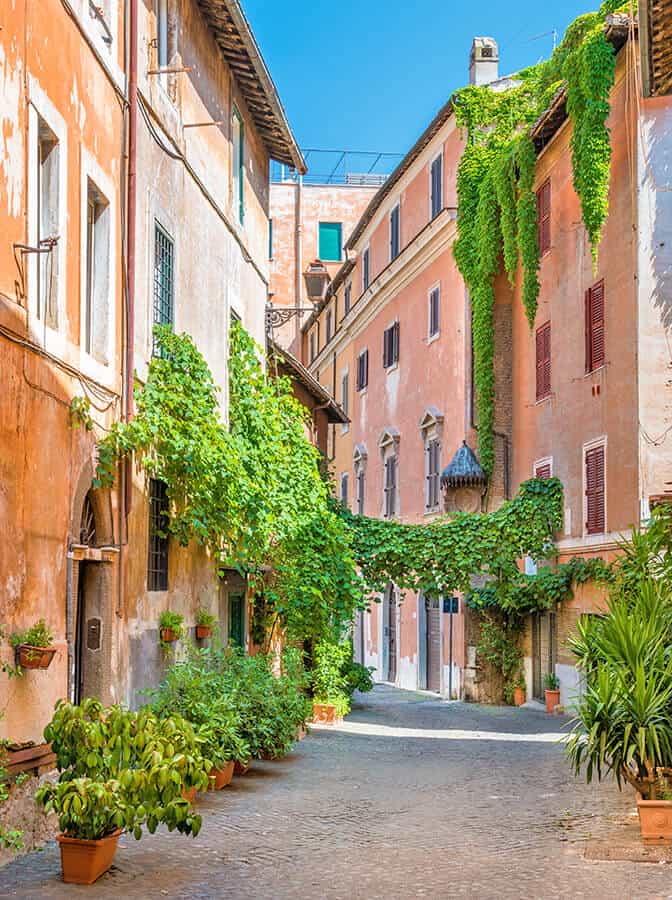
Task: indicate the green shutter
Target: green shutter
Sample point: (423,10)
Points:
(330,241)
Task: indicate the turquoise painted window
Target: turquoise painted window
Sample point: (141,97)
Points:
(330,241)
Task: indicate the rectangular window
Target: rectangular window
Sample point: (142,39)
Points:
(347,298)
(238,165)
(595,490)
(366,263)
(362,370)
(344,488)
(594,329)
(311,353)
(270,238)
(391,346)
(437,186)
(345,391)
(390,490)
(543,470)
(330,241)
(433,451)
(544,216)
(164,278)
(434,306)
(157,561)
(361,486)
(328,325)
(48,198)
(97,288)
(395,236)
(543,361)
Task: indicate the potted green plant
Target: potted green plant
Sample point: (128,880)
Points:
(331,687)
(33,647)
(551,691)
(171,626)
(519,690)
(205,622)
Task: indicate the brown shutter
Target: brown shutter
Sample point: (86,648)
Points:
(543,471)
(544,216)
(595,491)
(595,327)
(543,361)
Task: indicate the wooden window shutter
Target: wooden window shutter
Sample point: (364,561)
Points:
(543,471)
(595,327)
(543,361)
(595,491)
(544,216)
(395,342)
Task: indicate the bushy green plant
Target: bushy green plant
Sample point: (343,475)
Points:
(172,620)
(330,681)
(38,635)
(120,768)
(10,838)
(551,682)
(205,618)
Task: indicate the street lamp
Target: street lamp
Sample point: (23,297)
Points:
(317,280)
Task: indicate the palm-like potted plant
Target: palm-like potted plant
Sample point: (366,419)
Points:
(205,622)
(551,691)
(33,647)
(171,626)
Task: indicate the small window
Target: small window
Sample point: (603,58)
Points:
(164,278)
(347,298)
(544,216)
(329,325)
(433,465)
(344,488)
(437,186)
(394,233)
(390,487)
(97,288)
(157,564)
(361,487)
(238,165)
(330,240)
(543,361)
(270,238)
(345,391)
(311,342)
(543,470)
(595,490)
(594,328)
(366,263)
(362,370)
(49,199)
(434,307)
(391,346)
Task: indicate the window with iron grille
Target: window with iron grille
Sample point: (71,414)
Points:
(433,451)
(366,262)
(543,361)
(391,346)
(361,486)
(544,216)
(437,186)
(328,325)
(390,487)
(164,278)
(344,488)
(157,561)
(362,370)
(434,307)
(595,327)
(347,298)
(394,233)
(595,490)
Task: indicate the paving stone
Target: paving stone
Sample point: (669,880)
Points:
(373,811)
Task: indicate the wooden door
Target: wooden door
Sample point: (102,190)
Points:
(433,655)
(237,619)
(391,636)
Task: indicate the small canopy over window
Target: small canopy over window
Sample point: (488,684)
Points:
(388,438)
(464,470)
(431,416)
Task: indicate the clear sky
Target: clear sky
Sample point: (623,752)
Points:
(370,75)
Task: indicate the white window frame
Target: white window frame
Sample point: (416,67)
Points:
(40,106)
(388,445)
(362,391)
(592,445)
(538,463)
(431,429)
(433,337)
(344,479)
(345,374)
(91,171)
(347,289)
(359,459)
(439,155)
(396,206)
(156,213)
(366,251)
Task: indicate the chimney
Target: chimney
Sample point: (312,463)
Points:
(483,61)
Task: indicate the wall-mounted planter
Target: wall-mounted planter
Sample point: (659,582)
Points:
(83,862)
(34,657)
(203,632)
(169,635)
(552,700)
(221,777)
(326,714)
(655,818)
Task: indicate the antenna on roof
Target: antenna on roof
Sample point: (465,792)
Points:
(537,37)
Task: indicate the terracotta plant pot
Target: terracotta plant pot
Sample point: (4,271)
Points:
(655,819)
(189,794)
(240,768)
(34,657)
(325,713)
(552,700)
(169,635)
(83,862)
(219,778)
(203,632)
(518,696)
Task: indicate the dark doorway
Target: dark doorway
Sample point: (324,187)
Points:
(544,648)
(88,677)
(237,619)
(390,636)
(433,652)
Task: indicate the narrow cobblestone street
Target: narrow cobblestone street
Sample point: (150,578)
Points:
(413,797)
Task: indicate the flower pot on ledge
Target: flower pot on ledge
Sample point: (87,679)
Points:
(552,700)
(84,861)
(655,819)
(203,632)
(34,657)
(169,635)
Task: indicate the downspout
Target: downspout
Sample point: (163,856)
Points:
(131,213)
(298,256)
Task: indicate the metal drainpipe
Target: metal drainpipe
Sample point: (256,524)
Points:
(131,208)
(299,254)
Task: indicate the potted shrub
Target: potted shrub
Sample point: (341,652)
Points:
(171,627)
(32,647)
(205,622)
(331,686)
(551,691)
(519,690)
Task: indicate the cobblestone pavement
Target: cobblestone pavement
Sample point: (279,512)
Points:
(485,808)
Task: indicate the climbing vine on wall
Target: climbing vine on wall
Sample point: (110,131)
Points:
(497,211)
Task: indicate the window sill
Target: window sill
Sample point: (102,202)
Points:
(540,401)
(392,368)
(345,429)
(432,512)
(596,370)
(433,337)
(362,392)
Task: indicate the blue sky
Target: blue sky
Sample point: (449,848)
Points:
(370,76)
